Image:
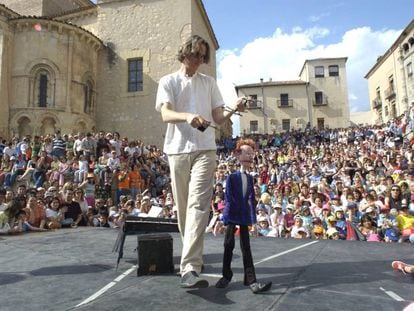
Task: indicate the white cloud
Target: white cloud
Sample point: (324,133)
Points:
(317,18)
(282,55)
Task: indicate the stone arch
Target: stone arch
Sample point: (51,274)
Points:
(48,123)
(81,126)
(48,126)
(23,126)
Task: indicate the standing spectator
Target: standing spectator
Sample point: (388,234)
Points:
(136,181)
(36,146)
(123,181)
(58,145)
(47,145)
(115,142)
(88,146)
(77,145)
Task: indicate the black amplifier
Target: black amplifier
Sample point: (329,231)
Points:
(155,254)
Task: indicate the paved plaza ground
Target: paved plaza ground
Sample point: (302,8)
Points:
(75,269)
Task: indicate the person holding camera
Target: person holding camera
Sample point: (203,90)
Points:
(189,102)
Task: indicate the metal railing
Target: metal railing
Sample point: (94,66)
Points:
(282,103)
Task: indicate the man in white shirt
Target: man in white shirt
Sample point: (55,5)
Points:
(189,101)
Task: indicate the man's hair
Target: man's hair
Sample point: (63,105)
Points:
(248,141)
(192,46)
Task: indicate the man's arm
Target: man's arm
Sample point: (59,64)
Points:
(171,116)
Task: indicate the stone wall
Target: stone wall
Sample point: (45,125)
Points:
(152,30)
(24,7)
(70,54)
(40,7)
(4,61)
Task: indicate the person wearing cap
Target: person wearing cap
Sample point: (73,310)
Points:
(240,210)
(298,230)
(332,234)
(189,102)
(263,226)
(318,232)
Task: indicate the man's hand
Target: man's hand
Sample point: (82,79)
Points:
(240,104)
(197,121)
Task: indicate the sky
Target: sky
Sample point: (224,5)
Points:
(273,38)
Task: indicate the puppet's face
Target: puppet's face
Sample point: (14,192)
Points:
(246,156)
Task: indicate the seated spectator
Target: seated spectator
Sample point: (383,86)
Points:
(36,213)
(332,234)
(71,210)
(289,220)
(102,220)
(54,216)
(306,218)
(23,225)
(263,227)
(341,225)
(405,222)
(9,216)
(298,231)
(367,226)
(318,232)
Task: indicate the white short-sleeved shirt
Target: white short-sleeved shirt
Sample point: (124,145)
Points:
(198,94)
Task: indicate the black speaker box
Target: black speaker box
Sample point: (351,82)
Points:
(155,254)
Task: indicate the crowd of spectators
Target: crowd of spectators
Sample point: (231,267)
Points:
(350,183)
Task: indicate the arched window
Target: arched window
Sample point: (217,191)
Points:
(43,88)
(88,93)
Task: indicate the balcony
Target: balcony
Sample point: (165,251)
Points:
(254,104)
(377,103)
(389,93)
(285,103)
(320,102)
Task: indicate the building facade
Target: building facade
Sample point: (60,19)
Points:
(79,66)
(391,81)
(319,99)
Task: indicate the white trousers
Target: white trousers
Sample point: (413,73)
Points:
(192,177)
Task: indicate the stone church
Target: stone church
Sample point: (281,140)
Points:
(77,66)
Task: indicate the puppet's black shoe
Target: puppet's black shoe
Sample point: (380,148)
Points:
(260,287)
(192,280)
(222,283)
